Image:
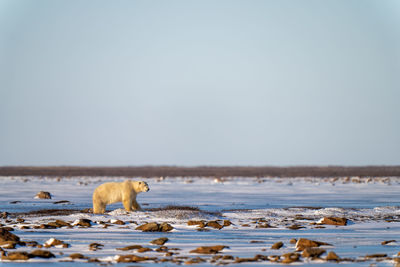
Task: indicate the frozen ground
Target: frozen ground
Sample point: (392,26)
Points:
(372,206)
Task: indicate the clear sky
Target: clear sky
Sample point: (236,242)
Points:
(199,82)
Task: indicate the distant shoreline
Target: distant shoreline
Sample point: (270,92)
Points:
(203,171)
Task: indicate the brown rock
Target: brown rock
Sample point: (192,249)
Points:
(240,260)
(333,221)
(131,258)
(119,222)
(149,227)
(159,241)
(295,227)
(8,244)
(43,195)
(332,256)
(165,227)
(7,236)
(227,223)
(52,242)
(312,252)
(277,245)
(303,243)
(76,256)
(130,247)
(214,224)
(95,246)
(14,256)
(4,215)
(84,223)
(264,225)
(195,261)
(208,250)
(290,257)
(387,242)
(378,255)
(142,250)
(200,223)
(293,241)
(38,253)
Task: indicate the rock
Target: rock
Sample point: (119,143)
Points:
(332,256)
(277,245)
(59,224)
(165,227)
(312,252)
(293,241)
(38,253)
(155,227)
(227,223)
(75,256)
(130,247)
(295,227)
(208,250)
(200,223)
(52,242)
(333,221)
(264,225)
(7,236)
(387,242)
(290,257)
(119,222)
(43,195)
(372,256)
(214,224)
(131,258)
(4,215)
(142,250)
(83,223)
(95,246)
(240,260)
(15,256)
(303,243)
(159,241)
(195,261)
(62,202)
(8,244)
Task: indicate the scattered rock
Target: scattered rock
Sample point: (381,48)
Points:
(256,242)
(199,223)
(76,256)
(43,195)
(333,221)
(295,227)
(52,242)
(4,215)
(387,242)
(311,252)
(160,241)
(303,243)
(208,250)
(119,222)
(5,235)
(332,256)
(290,257)
(227,223)
(62,202)
(15,256)
(214,224)
(372,256)
(142,250)
(83,223)
(264,225)
(155,227)
(38,253)
(8,244)
(241,260)
(130,247)
(59,224)
(277,245)
(293,241)
(195,261)
(95,246)
(131,258)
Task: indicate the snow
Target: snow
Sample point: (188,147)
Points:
(370,204)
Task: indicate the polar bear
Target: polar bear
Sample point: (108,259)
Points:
(124,192)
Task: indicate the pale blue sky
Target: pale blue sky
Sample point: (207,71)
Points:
(199,82)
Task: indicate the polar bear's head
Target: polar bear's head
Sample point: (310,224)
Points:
(141,186)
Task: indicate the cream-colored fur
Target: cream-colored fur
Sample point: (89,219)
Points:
(124,192)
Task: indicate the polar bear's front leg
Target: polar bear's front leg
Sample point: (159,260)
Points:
(135,205)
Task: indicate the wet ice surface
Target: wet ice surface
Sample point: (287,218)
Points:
(372,205)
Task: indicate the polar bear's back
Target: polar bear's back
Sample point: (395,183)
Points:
(109,192)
